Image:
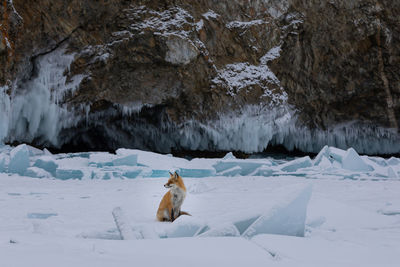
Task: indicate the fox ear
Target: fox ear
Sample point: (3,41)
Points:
(176,175)
(170,173)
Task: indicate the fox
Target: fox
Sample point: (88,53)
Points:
(170,205)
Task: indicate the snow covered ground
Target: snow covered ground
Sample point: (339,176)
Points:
(339,209)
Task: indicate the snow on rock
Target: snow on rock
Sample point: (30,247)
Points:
(19,159)
(180,50)
(46,163)
(353,162)
(296,164)
(287,218)
(241,75)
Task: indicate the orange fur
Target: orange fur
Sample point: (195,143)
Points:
(166,211)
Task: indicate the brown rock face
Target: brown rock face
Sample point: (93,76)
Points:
(342,63)
(196,75)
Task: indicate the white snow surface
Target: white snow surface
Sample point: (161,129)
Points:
(328,212)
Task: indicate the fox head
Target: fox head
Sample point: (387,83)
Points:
(174,181)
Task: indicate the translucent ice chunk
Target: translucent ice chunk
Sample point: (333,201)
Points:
(19,159)
(353,162)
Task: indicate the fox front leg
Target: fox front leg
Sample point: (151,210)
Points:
(172,215)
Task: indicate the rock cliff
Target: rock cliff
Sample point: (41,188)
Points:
(200,75)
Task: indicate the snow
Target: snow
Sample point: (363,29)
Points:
(241,75)
(263,217)
(210,14)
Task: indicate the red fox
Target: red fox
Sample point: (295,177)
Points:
(170,205)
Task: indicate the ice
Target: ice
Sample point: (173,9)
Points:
(130,160)
(33,151)
(196,173)
(296,164)
(47,163)
(36,172)
(101,159)
(336,154)
(229,155)
(353,162)
(287,218)
(2,163)
(227,229)
(392,173)
(323,153)
(131,174)
(159,173)
(41,216)
(19,159)
(246,166)
(325,163)
(263,171)
(184,226)
(37,112)
(231,172)
(243,224)
(393,161)
(65,174)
